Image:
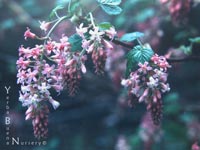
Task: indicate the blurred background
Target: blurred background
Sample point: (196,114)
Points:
(98,117)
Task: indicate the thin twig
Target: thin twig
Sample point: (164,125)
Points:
(170,60)
(186,59)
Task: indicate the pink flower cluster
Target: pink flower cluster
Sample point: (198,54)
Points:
(148,83)
(178,9)
(54,66)
(96,45)
(195,146)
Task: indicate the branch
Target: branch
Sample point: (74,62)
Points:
(170,60)
(117,42)
(186,59)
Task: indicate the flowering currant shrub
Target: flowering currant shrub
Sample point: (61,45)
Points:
(59,64)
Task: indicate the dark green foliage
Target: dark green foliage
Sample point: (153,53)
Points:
(76,42)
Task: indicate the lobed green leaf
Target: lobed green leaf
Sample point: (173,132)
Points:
(141,53)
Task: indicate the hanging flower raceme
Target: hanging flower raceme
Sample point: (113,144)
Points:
(37,76)
(72,72)
(97,45)
(39,116)
(149,133)
(148,83)
(179,9)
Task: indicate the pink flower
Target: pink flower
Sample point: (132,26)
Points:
(125,82)
(195,146)
(96,34)
(164,1)
(23,51)
(21,63)
(29,34)
(144,95)
(44,87)
(49,47)
(90,48)
(155,58)
(81,30)
(85,44)
(31,75)
(107,45)
(83,68)
(22,76)
(47,70)
(54,103)
(111,33)
(44,25)
(64,43)
(144,67)
(58,87)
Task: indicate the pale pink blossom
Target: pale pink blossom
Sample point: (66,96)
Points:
(111,33)
(81,30)
(96,34)
(29,34)
(144,67)
(83,68)
(85,44)
(44,87)
(195,146)
(31,75)
(107,45)
(54,103)
(21,63)
(22,76)
(44,25)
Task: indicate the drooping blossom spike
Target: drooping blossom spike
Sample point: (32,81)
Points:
(179,10)
(149,132)
(156,111)
(40,122)
(99,58)
(148,83)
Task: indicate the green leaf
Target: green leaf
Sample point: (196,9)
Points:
(141,53)
(129,37)
(131,63)
(195,40)
(76,42)
(111,10)
(110,2)
(186,49)
(59,7)
(75,6)
(105,25)
(110,6)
